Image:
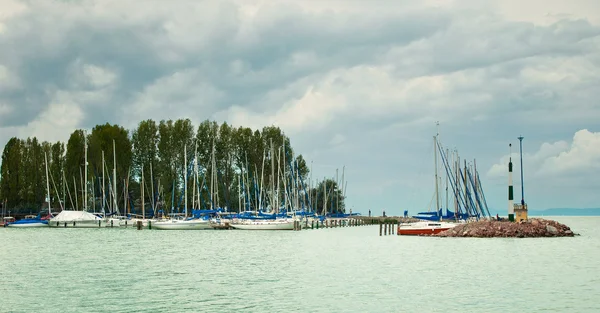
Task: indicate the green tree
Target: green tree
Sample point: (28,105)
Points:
(11,173)
(183,134)
(145,139)
(56,158)
(327,197)
(104,138)
(166,173)
(74,162)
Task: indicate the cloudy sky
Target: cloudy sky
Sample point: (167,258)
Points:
(354,83)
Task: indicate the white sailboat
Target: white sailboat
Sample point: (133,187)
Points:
(183,224)
(427,226)
(267,224)
(74,218)
(145,221)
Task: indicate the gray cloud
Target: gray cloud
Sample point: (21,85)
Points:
(369,79)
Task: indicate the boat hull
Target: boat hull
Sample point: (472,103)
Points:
(132,223)
(424,228)
(182,225)
(418,232)
(79,224)
(264,225)
(27,225)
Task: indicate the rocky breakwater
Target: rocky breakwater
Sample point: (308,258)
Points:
(534,227)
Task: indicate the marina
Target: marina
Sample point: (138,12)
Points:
(299,156)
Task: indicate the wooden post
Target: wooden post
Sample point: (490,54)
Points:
(140,226)
(312,224)
(380,228)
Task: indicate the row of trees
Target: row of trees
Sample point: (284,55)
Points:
(157,150)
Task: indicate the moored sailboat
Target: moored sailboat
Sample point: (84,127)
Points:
(32,220)
(185,223)
(78,219)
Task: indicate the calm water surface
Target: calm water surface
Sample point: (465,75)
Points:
(325,270)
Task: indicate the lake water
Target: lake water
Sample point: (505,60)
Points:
(325,270)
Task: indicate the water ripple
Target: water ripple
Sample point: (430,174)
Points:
(329,270)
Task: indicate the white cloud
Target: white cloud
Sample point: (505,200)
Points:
(10,8)
(582,156)
(8,80)
(98,76)
(561,158)
(63,115)
(5,109)
(545,12)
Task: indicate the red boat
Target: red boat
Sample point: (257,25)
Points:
(424,228)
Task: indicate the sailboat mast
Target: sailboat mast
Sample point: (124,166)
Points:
(437,196)
(272,178)
(195,177)
(93,195)
(466,188)
(476,187)
(48,186)
(284,179)
(142,194)
(278,175)
(447,178)
(103,186)
(64,183)
(240,193)
(337,187)
(297,183)
(310,186)
(324,197)
(75,192)
(85,175)
(185,178)
(125,194)
(212,175)
(115,179)
(343,182)
(152,188)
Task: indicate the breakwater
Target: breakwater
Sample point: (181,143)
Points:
(535,227)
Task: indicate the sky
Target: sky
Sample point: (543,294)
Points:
(358,86)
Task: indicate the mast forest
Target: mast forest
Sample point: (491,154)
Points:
(248,164)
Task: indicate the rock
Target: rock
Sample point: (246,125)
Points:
(525,229)
(551,229)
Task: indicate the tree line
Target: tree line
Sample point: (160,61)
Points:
(244,159)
